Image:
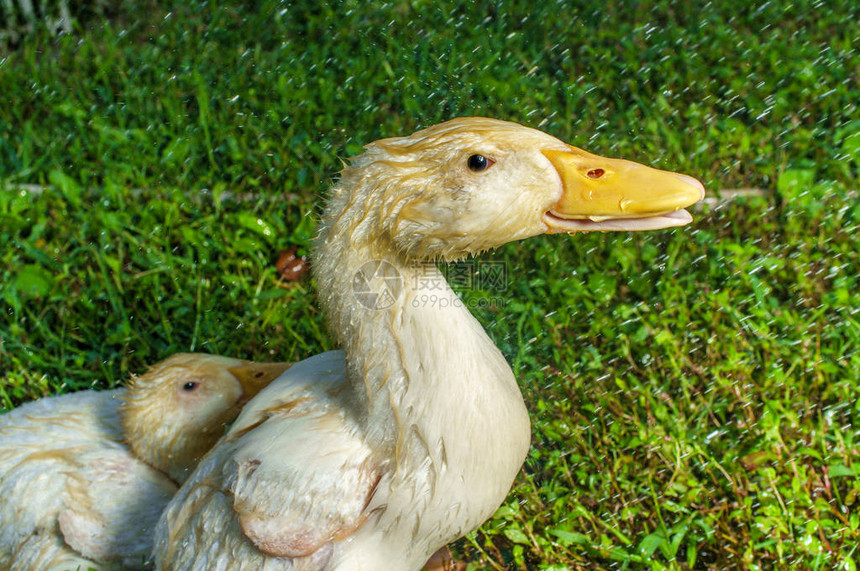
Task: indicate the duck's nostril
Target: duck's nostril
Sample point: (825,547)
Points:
(595,173)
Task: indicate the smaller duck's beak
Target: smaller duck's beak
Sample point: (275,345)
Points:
(254,377)
(603,194)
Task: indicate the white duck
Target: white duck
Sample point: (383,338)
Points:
(376,456)
(85,476)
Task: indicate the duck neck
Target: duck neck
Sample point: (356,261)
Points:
(417,360)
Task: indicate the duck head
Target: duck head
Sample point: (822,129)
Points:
(470,184)
(175,412)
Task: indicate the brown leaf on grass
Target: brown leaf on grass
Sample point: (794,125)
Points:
(754,460)
(290,266)
(443,560)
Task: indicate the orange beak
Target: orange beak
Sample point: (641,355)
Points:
(254,377)
(603,194)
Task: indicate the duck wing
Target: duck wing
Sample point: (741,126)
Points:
(292,505)
(113,505)
(293,474)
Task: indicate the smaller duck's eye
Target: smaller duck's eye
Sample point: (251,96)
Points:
(189,386)
(479,163)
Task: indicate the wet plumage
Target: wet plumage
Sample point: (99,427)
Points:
(376,456)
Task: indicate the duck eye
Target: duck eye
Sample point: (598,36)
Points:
(189,386)
(479,163)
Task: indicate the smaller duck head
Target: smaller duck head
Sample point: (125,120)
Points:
(175,412)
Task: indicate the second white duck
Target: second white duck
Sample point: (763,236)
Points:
(84,476)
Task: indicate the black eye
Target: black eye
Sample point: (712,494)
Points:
(189,386)
(479,163)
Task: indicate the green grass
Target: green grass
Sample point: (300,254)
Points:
(694,393)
